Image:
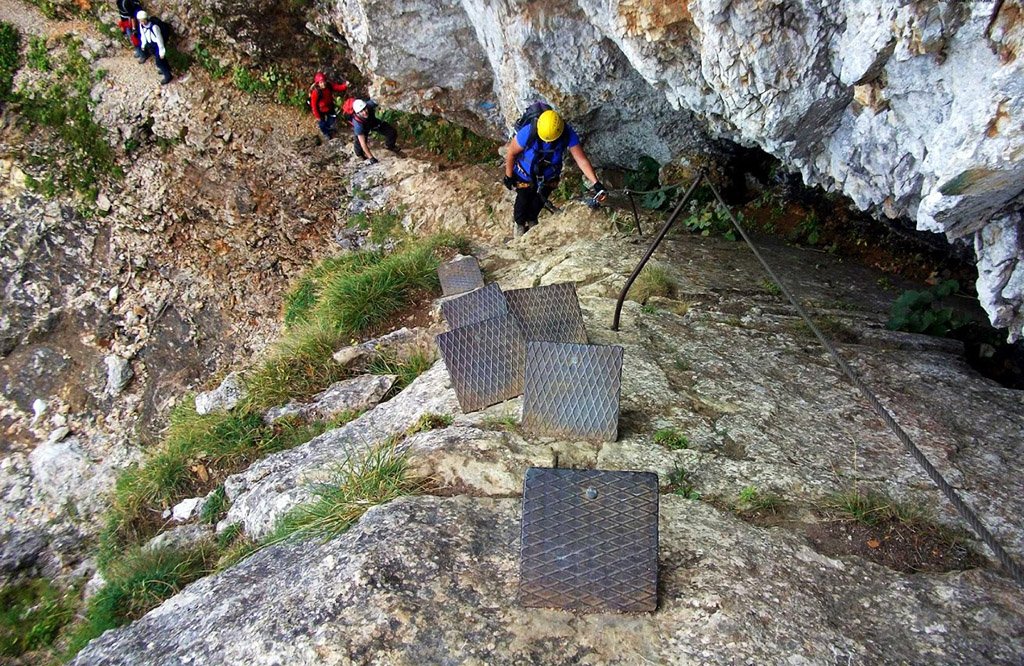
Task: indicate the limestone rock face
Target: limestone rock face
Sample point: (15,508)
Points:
(910,109)
(432,580)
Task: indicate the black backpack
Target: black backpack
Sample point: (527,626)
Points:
(165,30)
(530,117)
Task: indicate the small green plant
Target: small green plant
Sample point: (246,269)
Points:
(507,422)
(753,500)
(709,219)
(771,287)
(10,59)
(431,421)
(670,438)
(648,309)
(381,224)
(681,480)
(654,280)
(38,56)
(381,476)
(209,62)
(407,368)
(215,507)
(271,83)
(62,101)
(139,582)
(871,508)
(920,311)
(442,138)
(32,613)
(809,230)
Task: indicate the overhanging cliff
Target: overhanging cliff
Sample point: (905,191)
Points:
(911,109)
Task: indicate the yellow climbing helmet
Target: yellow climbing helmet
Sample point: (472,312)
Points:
(550,125)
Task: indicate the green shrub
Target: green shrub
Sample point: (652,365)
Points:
(32,614)
(709,219)
(209,62)
(270,82)
(440,137)
(921,311)
(38,56)
(63,102)
(10,59)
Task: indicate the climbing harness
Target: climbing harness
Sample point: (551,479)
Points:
(970,517)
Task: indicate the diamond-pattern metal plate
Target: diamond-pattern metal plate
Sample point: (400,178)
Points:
(571,391)
(589,540)
(550,313)
(460,275)
(475,306)
(485,361)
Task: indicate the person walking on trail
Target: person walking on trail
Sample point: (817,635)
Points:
(152,39)
(128,24)
(533,164)
(365,121)
(321,101)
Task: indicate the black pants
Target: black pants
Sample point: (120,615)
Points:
(161,63)
(385,130)
(530,202)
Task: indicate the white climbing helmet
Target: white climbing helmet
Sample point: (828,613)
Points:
(358,106)
(141,15)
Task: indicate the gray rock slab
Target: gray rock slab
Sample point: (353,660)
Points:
(350,395)
(427,580)
(224,398)
(268,489)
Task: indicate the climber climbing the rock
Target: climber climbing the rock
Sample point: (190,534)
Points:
(152,42)
(128,24)
(321,101)
(533,163)
(365,121)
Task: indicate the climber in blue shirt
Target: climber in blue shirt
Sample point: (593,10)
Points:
(533,165)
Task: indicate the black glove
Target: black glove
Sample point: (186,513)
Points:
(372,160)
(510,182)
(600,194)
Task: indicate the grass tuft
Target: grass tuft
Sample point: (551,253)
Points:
(358,484)
(653,280)
(139,582)
(871,508)
(407,369)
(672,439)
(299,365)
(32,614)
(752,500)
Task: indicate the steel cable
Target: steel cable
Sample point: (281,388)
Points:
(947,489)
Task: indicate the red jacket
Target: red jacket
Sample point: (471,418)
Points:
(322,101)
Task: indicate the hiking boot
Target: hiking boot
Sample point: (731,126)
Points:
(519,230)
(165,80)
(395,149)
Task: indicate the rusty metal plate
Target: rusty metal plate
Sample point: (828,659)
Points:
(589,540)
(550,313)
(460,275)
(485,361)
(572,391)
(475,306)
